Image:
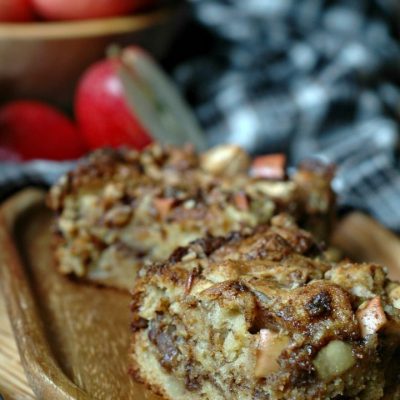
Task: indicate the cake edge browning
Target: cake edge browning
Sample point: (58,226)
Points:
(177,273)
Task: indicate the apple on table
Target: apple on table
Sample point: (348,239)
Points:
(34,130)
(102,112)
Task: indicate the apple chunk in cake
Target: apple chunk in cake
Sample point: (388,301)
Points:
(263,315)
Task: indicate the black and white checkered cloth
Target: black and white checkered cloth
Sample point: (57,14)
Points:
(309,77)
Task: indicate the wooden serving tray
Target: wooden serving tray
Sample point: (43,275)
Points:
(73,338)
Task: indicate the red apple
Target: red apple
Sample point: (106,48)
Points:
(103,115)
(86,9)
(34,130)
(16,11)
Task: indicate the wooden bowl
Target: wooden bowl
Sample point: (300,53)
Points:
(44,60)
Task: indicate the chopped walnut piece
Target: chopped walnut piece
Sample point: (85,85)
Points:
(112,192)
(226,159)
(118,216)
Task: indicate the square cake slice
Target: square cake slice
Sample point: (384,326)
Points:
(264,314)
(121,209)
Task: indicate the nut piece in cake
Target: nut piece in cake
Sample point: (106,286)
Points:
(121,209)
(263,315)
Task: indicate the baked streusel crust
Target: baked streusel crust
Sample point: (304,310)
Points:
(120,209)
(263,314)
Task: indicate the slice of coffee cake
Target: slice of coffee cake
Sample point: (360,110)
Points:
(120,208)
(264,315)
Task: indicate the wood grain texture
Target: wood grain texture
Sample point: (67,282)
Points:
(13,383)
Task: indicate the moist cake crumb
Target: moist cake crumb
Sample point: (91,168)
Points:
(265,315)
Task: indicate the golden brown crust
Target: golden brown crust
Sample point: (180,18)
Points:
(120,209)
(200,317)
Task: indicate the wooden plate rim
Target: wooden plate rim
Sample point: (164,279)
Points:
(44,375)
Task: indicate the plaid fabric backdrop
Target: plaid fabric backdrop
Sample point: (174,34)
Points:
(310,77)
